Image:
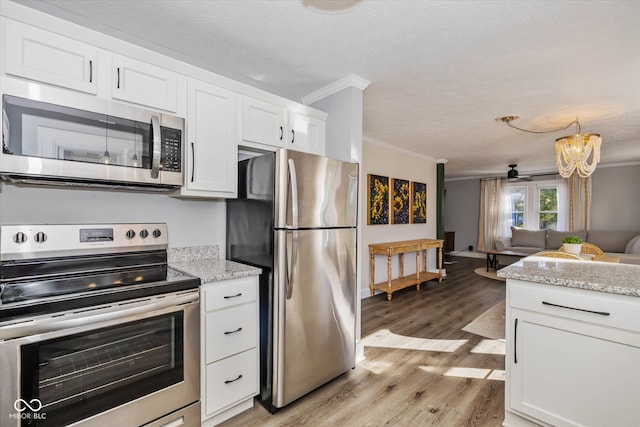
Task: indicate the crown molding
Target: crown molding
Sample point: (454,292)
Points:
(388,146)
(351,80)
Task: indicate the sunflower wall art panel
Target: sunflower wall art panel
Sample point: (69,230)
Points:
(378,196)
(400,201)
(418,203)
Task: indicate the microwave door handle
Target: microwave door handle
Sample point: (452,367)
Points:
(155,147)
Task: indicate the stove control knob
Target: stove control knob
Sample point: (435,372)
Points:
(157,233)
(40,237)
(19,237)
(130,234)
(144,233)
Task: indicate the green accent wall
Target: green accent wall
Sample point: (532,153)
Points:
(440,201)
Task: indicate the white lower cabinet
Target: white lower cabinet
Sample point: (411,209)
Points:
(230,360)
(573,357)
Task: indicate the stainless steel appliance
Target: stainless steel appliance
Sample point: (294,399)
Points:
(295,217)
(111,144)
(95,328)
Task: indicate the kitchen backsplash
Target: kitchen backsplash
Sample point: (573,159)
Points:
(192,253)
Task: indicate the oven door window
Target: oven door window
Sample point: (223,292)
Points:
(77,376)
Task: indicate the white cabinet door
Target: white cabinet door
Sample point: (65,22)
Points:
(573,356)
(263,122)
(305,133)
(144,84)
(47,57)
(211,148)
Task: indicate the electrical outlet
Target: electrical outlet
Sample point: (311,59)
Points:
(470,248)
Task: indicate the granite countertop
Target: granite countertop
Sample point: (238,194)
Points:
(215,269)
(615,278)
(203,262)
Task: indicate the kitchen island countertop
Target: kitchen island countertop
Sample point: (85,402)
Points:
(623,279)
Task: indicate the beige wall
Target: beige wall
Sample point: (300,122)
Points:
(382,159)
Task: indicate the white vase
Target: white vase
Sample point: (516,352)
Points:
(572,248)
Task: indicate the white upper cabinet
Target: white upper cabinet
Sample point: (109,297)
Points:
(275,126)
(305,133)
(262,122)
(211,151)
(144,84)
(47,57)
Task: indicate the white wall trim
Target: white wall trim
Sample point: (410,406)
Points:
(351,80)
(388,146)
(540,172)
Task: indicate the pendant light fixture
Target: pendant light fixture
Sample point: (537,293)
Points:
(574,153)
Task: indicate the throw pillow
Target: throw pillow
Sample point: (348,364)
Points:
(633,247)
(554,241)
(531,238)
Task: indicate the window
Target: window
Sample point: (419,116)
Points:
(547,207)
(536,205)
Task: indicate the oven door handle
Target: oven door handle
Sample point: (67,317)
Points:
(87,319)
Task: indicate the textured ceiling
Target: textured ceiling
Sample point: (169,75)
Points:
(441,71)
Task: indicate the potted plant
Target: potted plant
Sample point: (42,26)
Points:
(572,244)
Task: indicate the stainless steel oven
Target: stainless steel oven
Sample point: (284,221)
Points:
(96,329)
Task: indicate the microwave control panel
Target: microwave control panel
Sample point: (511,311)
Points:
(171,157)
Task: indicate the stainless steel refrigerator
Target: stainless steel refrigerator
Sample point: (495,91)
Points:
(296,217)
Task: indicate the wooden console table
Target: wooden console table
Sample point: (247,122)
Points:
(420,247)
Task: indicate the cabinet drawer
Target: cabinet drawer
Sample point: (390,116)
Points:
(618,311)
(231,380)
(230,331)
(230,293)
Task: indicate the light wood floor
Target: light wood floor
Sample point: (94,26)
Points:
(421,369)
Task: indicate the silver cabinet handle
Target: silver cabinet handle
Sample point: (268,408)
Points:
(90,71)
(118,84)
(156,149)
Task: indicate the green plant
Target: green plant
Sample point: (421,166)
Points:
(572,240)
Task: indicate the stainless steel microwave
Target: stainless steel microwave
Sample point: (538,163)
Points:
(114,144)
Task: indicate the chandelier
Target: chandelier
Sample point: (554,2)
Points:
(574,153)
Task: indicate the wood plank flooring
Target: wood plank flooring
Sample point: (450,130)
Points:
(421,369)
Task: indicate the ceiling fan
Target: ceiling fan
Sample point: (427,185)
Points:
(512,175)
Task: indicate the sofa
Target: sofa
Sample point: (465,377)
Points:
(622,244)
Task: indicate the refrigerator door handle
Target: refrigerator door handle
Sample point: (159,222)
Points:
(293,179)
(292,263)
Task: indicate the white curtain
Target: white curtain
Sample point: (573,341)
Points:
(579,202)
(563,204)
(495,213)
